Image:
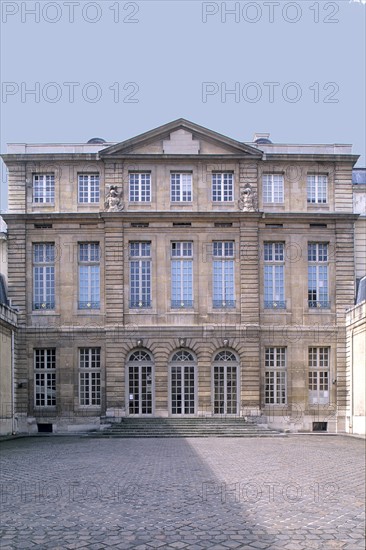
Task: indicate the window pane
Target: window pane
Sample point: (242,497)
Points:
(222,187)
(43,188)
(139,187)
(44,377)
(140,275)
(273,189)
(181,187)
(43,276)
(89,276)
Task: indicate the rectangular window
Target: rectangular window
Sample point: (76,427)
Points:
(182,274)
(140,274)
(275,376)
(274,270)
(223,274)
(43,276)
(273,188)
(317,188)
(222,187)
(44,188)
(89,276)
(89,376)
(318,275)
(318,375)
(180,187)
(88,188)
(140,187)
(45,377)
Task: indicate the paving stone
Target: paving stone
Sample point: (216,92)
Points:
(176,494)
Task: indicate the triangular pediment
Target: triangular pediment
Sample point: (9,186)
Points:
(180,137)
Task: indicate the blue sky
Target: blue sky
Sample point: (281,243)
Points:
(115,69)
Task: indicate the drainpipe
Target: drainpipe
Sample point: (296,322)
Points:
(12,385)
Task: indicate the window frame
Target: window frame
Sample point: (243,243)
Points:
(181,273)
(140,264)
(92,195)
(41,194)
(318,274)
(273,190)
(274,272)
(218,191)
(225,370)
(89,268)
(46,374)
(140,376)
(90,378)
(223,274)
(180,184)
(316,195)
(275,375)
(319,374)
(43,272)
(139,194)
(182,376)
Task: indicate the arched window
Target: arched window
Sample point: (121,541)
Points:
(140,355)
(225,383)
(182,355)
(140,382)
(183,383)
(225,356)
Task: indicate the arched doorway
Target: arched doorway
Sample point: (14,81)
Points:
(140,383)
(182,370)
(225,379)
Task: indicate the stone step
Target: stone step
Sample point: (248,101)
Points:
(184,427)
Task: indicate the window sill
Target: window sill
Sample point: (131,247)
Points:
(223,203)
(318,306)
(44,312)
(81,312)
(275,305)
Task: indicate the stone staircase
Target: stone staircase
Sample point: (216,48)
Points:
(184,427)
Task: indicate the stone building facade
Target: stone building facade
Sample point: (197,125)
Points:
(8,326)
(356,340)
(181,273)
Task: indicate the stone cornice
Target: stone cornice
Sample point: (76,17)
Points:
(159,157)
(135,216)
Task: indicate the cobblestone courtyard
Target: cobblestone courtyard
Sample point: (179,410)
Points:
(297,492)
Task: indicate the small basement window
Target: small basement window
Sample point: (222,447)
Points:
(320,426)
(178,224)
(44,428)
(139,225)
(324,225)
(274,225)
(43,226)
(223,224)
